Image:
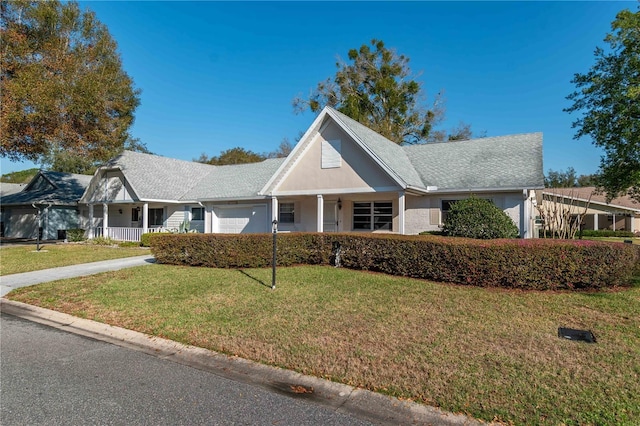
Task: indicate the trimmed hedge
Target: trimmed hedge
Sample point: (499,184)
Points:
(75,235)
(522,264)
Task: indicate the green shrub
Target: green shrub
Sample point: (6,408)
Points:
(478,218)
(523,264)
(75,235)
(145,239)
(103,241)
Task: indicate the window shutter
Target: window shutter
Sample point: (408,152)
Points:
(434,216)
(331,154)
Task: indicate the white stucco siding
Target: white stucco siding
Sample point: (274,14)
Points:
(357,170)
(418,215)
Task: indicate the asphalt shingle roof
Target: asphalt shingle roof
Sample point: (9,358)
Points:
(513,161)
(234,181)
(388,152)
(65,189)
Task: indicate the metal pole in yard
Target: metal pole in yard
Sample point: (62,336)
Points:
(273,272)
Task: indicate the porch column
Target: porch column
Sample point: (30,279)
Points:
(105,220)
(320,216)
(632,223)
(401,208)
(90,234)
(614,221)
(595,221)
(208,219)
(274,209)
(145,218)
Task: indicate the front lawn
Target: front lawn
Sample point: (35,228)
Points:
(490,353)
(51,255)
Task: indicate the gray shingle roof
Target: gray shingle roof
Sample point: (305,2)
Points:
(64,189)
(389,153)
(234,181)
(159,178)
(513,161)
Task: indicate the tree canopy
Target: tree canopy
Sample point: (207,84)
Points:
(568,179)
(64,92)
(608,97)
(378,89)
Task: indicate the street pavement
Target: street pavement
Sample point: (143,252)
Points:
(59,369)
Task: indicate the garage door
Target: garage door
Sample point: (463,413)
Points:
(21,223)
(242,220)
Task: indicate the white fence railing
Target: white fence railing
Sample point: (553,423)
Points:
(122,233)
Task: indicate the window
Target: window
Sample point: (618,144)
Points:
(446,206)
(331,156)
(197,213)
(156,217)
(135,214)
(373,216)
(286,213)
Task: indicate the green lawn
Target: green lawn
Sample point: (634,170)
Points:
(635,240)
(25,258)
(493,354)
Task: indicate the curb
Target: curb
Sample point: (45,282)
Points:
(374,407)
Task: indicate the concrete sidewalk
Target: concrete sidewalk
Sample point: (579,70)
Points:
(11,282)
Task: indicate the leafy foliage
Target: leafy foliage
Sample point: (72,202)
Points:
(478,218)
(609,98)
(22,176)
(523,264)
(63,86)
(568,179)
(378,90)
(232,156)
(75,235)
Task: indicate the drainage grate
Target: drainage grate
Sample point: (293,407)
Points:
(579,335)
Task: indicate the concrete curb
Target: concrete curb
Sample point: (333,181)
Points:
(374,407)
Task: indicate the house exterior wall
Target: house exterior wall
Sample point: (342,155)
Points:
(357,171)
(425,213)
(110,187)
(59,218)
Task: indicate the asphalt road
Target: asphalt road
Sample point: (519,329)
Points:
(52,377)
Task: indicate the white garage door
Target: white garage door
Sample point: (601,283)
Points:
(242,220)
(21,224)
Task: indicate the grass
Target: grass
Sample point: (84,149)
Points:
(25,258)
(492,354)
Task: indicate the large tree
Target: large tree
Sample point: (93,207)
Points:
(64,92)
(378,89)
(608,97)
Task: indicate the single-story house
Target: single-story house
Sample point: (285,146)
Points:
(620,214)
(341,176)
(47,204)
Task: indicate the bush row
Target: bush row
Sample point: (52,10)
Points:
(523,264)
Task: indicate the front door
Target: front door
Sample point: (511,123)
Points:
(330,216)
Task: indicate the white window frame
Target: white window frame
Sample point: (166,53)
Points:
(286,213)
(193,215)
(373,214)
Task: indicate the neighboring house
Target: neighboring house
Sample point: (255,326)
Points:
(341,176)
(49,203)
(620,214)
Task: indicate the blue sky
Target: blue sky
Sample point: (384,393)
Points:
(218,75)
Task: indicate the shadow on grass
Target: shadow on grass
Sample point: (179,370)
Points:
(254,278)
